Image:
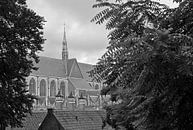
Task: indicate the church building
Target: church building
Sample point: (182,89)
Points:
(63,83)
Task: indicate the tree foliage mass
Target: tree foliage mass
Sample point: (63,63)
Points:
(148,65)
(21,37)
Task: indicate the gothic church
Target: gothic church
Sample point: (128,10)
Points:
(65,78)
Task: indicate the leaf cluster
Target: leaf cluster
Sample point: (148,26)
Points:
(125,18)
(21,37)
(148,70)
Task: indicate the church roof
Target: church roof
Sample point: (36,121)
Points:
(80,83)
(50,67)
(85,68)
(70,64)
(55,67)
(75,71)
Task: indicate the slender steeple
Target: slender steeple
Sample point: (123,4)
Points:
(64,47)
(65,52)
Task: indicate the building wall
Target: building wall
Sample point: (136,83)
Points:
(48,98)
(48,101)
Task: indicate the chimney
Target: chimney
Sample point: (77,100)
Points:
(50,110)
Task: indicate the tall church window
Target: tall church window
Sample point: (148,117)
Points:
(42,87)
(32,86)
(52,88)
(62,88)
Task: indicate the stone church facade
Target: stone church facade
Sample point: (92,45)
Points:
(64,78)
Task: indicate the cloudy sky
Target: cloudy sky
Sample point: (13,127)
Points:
(86,41)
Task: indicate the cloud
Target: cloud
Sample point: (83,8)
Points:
(86,41)
(168,2)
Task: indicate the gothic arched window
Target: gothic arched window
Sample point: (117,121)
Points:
(32,86)
(62,88)
(42,87)
(52,88)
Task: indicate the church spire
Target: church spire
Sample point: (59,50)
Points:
(64,47)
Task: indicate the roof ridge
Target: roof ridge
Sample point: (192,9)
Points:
(49,57)
(72,59)
(84,63)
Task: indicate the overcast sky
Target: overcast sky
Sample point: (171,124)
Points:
(86,41)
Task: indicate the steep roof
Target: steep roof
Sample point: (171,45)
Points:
(76,72)
(80,120)
(85,68)
(69,120)
(32,122)
(69,65)
(55,67)
(50,67)
(79,83)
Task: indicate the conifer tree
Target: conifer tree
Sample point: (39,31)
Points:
(21,37)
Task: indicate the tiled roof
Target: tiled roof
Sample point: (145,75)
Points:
(80,83)
(80,120)
(69,65)
(32,122)
(69,120)
(50,67)
(85,68)
(76,71)
(55,67)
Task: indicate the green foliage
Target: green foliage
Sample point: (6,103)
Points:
(180,20)
(148,70)
(129,17)
(21,37)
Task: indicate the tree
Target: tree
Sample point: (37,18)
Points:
(148,64)
(21,37)
(180,19)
